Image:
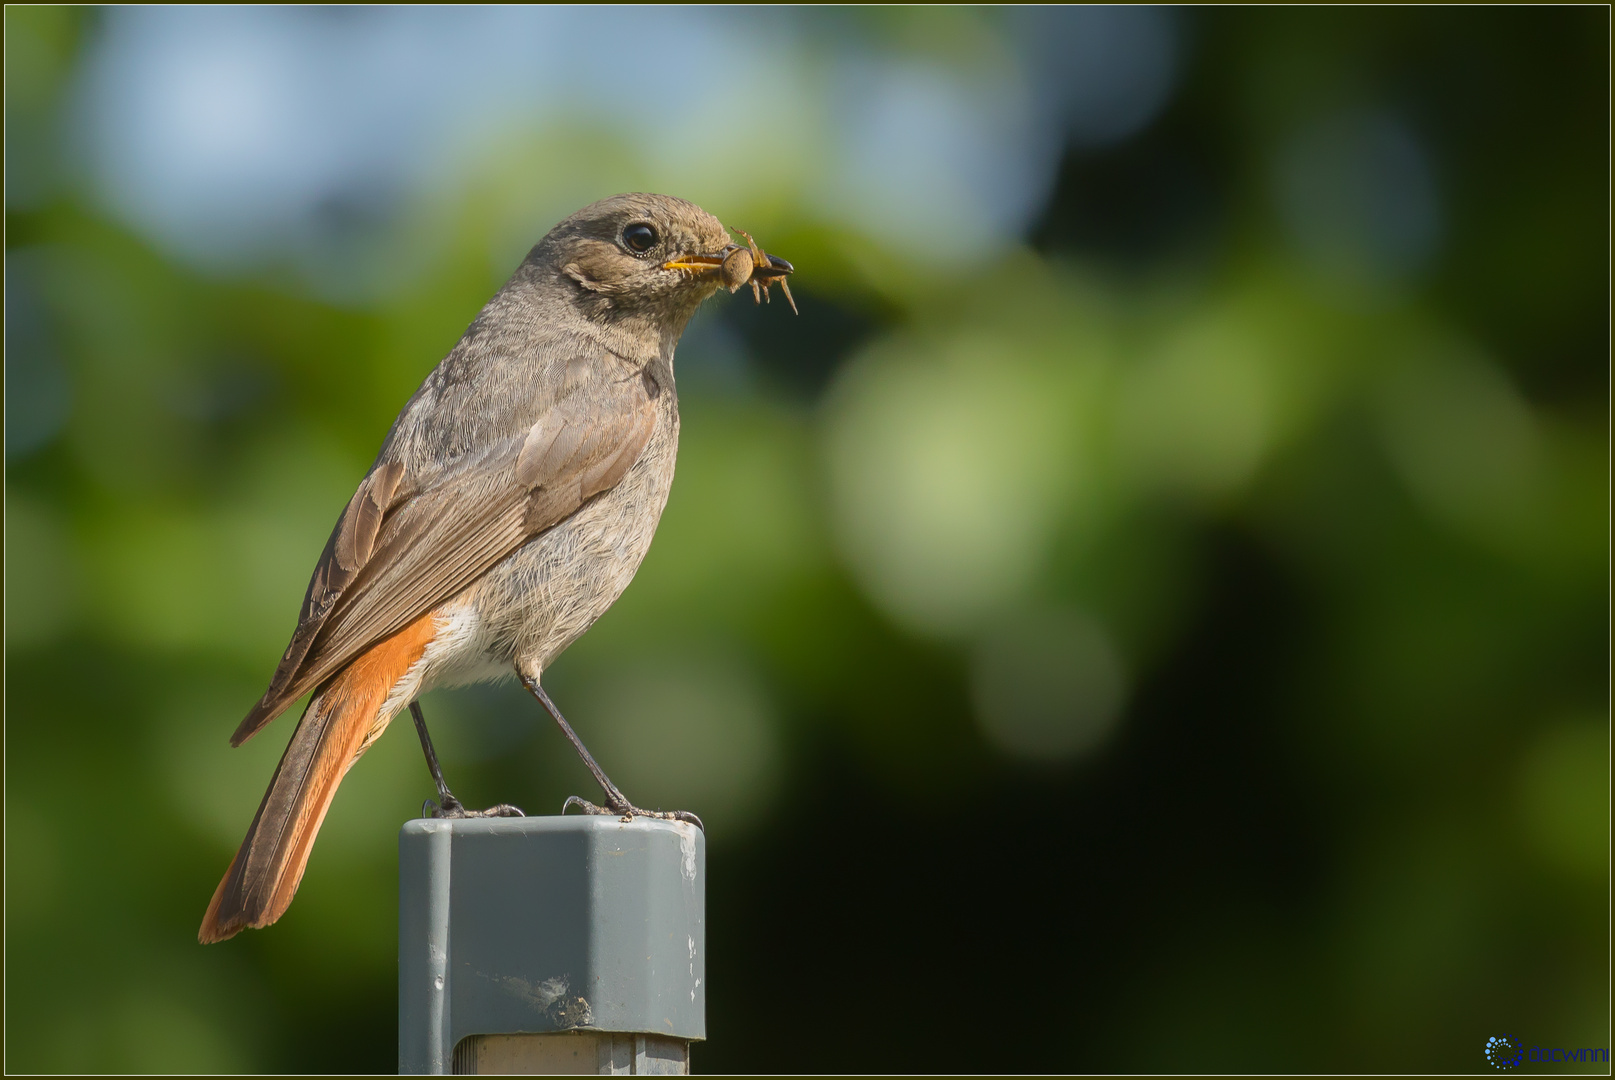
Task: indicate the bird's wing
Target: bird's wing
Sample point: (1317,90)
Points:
(397,553)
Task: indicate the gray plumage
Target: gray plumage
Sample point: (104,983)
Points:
(512,502)
(564,380)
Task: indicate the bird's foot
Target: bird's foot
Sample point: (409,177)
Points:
(452,808)
(629,812)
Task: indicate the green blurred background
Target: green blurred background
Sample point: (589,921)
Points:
(1149,612)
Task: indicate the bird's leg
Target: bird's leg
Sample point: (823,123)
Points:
(447,806)
(446,802)
(616,801)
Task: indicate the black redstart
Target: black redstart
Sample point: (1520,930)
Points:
(511,503)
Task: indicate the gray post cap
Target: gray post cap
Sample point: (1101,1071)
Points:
(547,924)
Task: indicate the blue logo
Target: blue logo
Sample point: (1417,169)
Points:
(1503,1052)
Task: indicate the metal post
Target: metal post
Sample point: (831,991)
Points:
(550,945)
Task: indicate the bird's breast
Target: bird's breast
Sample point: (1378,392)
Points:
(550,590)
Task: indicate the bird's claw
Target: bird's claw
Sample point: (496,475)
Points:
(629,812)
(453,810)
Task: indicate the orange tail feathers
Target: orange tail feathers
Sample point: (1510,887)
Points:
(335,729)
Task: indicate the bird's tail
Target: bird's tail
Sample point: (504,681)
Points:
(341,721)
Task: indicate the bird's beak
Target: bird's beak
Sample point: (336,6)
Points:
(776,268)
(736,266)
(695,264)
(707,264)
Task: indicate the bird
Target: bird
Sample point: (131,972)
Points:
(512,501)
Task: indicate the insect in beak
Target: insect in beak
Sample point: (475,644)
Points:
(737,266)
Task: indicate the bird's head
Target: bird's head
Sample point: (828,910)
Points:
(644,256)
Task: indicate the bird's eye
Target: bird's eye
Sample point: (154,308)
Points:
(639,237)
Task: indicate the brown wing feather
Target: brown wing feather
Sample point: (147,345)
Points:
(398,553)
(263,877)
